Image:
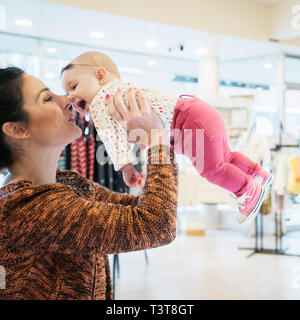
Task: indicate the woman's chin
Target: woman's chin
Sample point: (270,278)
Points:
(75,134)
(78,133)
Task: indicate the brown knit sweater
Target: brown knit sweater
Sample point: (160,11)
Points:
(54,238)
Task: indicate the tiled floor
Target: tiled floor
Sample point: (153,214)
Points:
(210,267)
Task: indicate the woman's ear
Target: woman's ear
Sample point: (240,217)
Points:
(102,75)
(16,130)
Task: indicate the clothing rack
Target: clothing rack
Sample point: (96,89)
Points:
(259,235)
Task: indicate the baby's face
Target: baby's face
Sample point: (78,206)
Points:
(81,85)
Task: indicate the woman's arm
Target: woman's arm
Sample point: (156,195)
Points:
(105,195)
(59,220)
(67,223)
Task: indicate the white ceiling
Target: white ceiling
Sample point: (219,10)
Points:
(73,24)
(125,38)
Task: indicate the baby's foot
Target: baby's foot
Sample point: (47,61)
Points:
(250,202)
(262,177)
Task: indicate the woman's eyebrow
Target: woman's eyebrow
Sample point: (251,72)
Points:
(44,89)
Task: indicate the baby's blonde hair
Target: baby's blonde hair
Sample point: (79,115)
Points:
(96,59)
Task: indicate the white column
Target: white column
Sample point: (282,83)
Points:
(280,88)
(208,77)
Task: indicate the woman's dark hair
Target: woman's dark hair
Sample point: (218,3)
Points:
(11,108)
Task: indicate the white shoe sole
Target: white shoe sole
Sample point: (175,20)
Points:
(264,194)
(267,185)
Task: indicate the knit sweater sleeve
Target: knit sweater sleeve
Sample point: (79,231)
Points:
(74,225)
(105,195)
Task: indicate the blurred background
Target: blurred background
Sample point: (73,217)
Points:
(243,57)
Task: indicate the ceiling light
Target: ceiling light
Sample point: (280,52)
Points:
(201,51)
(268,65)
(23,23)
(152,43)
(151,63)
(50,50)
(96,35)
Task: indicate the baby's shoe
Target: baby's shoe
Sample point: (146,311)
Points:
(265,179)
(250,202)
(262,177)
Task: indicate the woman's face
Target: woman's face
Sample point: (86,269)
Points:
(50,120)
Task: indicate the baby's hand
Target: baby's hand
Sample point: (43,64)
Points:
(143,146)
(131,176)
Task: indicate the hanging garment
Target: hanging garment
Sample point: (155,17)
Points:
(104,172)
(82,156)
(91,148)
(83,149)
(294,173)
(62,161)
(279,202)
(266,207)
(74,156)
(296,165)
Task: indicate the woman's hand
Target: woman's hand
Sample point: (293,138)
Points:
(141,122)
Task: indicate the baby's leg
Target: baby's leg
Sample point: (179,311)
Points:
(207,153)
(240,160)
(253,169)
(209,156)
(217,171)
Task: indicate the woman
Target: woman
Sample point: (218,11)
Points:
(56,227)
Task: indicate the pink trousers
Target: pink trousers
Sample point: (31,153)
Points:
(198,131)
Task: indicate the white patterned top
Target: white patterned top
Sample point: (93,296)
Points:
(112,134)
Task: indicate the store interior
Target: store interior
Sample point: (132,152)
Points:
(242,57)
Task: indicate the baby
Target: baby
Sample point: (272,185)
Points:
(93,77)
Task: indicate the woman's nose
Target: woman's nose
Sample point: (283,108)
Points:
(65,102)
